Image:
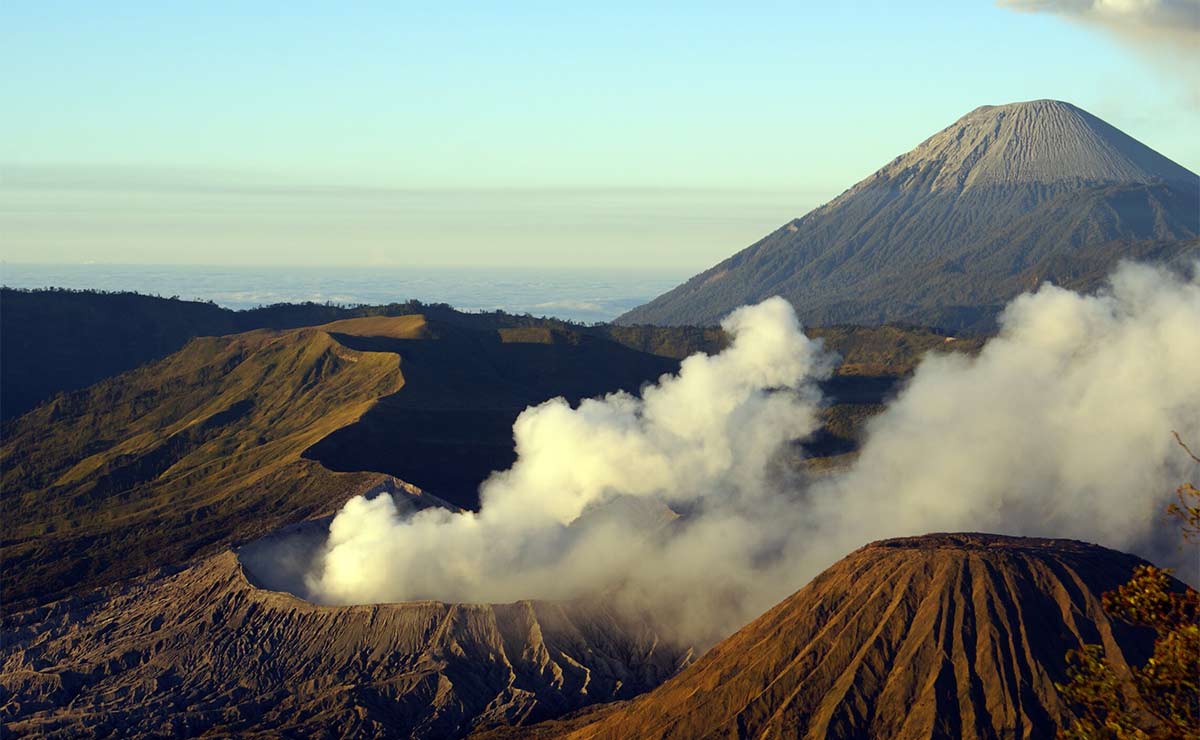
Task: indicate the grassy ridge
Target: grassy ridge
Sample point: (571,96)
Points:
(60,340)
(155,465)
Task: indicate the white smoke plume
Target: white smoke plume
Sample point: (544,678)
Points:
(1167,32)
(678,502)
(1176,21)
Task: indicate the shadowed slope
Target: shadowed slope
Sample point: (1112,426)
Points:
(61,340)
(451,425)
(941,636)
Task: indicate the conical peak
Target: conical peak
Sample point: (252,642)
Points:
(1038,142)
(1042,106)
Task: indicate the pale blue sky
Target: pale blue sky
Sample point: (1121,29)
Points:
(533,134)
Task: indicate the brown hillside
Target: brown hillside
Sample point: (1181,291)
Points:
(155,465)
(391,327)
(942,636)
(233,437)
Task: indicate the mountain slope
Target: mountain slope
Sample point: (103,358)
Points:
(212,444)
(941,636)
(234,436)
(54,341)
(153,466)
(946,233)
(201,650)
(63,340)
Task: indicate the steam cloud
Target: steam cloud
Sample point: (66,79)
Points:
(1165,31)
(679,503)
(1177,21)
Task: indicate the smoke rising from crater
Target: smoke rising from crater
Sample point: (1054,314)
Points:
(680,501)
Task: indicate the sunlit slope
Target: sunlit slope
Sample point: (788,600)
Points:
(208,445)
(151,466)
(940,636)
(234,436)
(61,340)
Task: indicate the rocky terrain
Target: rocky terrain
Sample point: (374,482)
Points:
(1004,198)
(940,636)
(200,650)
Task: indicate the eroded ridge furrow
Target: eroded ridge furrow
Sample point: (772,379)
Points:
(922,638)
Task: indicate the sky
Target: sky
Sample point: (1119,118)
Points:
(519,134)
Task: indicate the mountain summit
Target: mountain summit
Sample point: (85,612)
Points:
(1004,198)
(939,636)
(1042,142)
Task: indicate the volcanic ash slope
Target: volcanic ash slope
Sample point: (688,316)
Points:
(1006,197)
(941,636)
(202,650)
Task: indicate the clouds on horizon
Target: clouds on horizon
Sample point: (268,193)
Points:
(135,214)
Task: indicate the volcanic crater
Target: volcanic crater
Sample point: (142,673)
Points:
(230,645)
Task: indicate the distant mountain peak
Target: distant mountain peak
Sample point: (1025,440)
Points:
(1004,198)
(1037,142)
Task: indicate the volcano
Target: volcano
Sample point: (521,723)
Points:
(205,650)
(939,636)
(1004,198)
